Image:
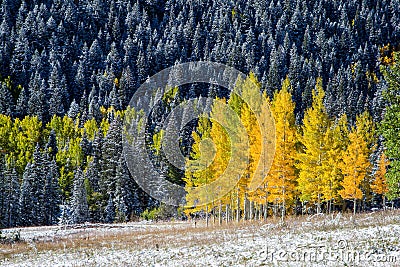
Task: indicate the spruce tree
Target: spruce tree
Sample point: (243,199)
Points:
(79,205)
(13,195)
(51,194)
(26,201)
(110,211)
(111,151)
(124,192)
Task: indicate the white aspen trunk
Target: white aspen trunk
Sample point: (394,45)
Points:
(251,211)
(227,213)
(244,207)
(220,213)
(238,207)
(207,216)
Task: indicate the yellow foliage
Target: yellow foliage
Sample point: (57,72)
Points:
(312,159)
(355,166)
(281,179)
(379,185)
(387,54)
(91,128)
(337,141)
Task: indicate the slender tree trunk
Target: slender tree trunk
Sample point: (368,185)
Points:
(266,211)
(227,213)
(238,207)
(283,204)
(213,211)
(257,214)
(355,206)
(244,207)
(220,213)
(231,209)
(266,206)
(251,211)
(383,202)
(319,203)
(207,215)
(329,206)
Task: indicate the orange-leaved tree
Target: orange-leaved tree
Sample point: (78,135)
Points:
(355,166)
(379,185)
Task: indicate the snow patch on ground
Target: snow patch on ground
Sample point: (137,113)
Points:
(249,245)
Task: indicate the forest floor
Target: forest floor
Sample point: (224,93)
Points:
(369,239)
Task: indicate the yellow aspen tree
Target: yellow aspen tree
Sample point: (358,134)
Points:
(246,101)
(27,134)
(261,136)
(236,132)
(222,142)
(235,102)
(366,129)
(379,185)
(355,167)
(312,157)
(282,175)
(262,193)
(253,131)
(337,140)
(210,156)
(197,172)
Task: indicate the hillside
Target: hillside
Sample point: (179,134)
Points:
(69,69)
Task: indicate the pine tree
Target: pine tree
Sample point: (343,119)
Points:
(26,202)
(58,92)
(38,177)
(113,61)
(110,211)
(21,109)
(111,151)
(124,198)
(79,205)
(3,196)
(6,100)
(73,110)
(37,105)
(51,146)
(11,194)
(21,57)
(51,194)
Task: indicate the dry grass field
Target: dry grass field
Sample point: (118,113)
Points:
(370,239)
